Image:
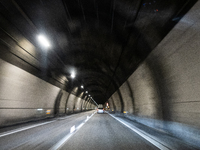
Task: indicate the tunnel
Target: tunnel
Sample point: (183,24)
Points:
(61,59)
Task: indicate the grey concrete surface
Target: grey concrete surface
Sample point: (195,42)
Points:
(21,94)
(127,97)
(165,86)
(63,102)
(25,97)
(41,137)
(77,105)
(70,104)
(116,100)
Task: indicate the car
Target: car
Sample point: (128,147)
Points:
(100,110)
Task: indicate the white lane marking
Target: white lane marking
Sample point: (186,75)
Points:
(146,136)
(24,128)
(64,140)
(79,126)
(29,127)
(72,129)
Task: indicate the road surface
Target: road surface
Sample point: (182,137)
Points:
(86,131)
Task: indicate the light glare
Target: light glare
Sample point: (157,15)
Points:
(43,41)
(73,75)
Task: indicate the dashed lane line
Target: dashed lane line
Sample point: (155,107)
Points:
(59,144)
(32,126)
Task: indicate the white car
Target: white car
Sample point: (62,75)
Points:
(100,110)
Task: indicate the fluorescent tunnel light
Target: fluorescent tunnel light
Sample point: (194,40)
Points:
(73,75)
(43,41)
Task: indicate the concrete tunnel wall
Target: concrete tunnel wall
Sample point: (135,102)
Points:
(24,97)
(164,91)
(84,104)
(77,106)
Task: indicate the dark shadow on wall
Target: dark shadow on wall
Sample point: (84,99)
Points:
(86,104)
(165,91)
(113,103)
(121,100)
(57,103)
(67,102)
(131,95)
(82,101)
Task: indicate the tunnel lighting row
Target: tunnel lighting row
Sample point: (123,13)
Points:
(45,42)
(94,101)
(82,87)
(91,98)
(89,95)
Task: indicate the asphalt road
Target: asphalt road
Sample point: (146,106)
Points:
(39,136)
(92,132)
(103,132)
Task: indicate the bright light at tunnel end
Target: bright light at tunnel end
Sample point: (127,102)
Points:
(43,41)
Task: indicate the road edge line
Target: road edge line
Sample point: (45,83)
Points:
(146,136)
(24,128)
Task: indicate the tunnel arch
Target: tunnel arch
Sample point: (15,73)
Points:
(162,84)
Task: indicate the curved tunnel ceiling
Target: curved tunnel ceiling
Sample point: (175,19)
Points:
(102,41)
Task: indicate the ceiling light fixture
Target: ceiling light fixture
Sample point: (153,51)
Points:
(82,86)
(43,41)
(73,75)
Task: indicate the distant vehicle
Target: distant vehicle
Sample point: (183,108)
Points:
(100,110)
